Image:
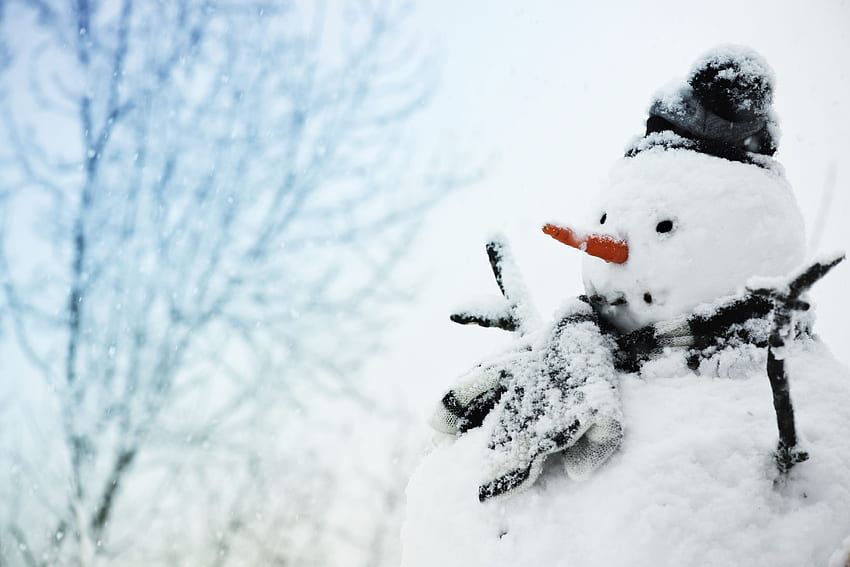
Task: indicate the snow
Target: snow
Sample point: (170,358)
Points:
(712,251)
(693,483)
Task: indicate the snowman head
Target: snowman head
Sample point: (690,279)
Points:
(697,208)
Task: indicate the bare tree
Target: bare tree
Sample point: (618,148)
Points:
(203,203)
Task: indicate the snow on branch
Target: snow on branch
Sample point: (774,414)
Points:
(788,300)
(516,313)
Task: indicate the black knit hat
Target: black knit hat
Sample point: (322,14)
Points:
(724,109)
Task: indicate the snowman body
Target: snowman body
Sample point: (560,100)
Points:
(694,481)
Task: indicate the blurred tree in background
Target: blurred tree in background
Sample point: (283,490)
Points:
(201,207)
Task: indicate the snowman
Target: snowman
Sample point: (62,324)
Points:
(639,427)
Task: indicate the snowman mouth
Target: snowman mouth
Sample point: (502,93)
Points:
(616,311)
(602,301)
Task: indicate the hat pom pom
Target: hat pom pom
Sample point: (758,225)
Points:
(733,82)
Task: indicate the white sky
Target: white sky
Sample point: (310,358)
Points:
(551,92)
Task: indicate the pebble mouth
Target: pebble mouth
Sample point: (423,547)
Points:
(602,300)
(618,311)
(619,301)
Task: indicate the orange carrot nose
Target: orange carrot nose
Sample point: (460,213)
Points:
(600,245)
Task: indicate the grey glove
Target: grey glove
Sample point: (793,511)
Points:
(563,399)
(467,404)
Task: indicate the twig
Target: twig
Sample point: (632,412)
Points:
(506,323)
(496,255)
(787,453)
(515,316)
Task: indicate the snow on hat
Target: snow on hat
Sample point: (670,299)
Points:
(724,109)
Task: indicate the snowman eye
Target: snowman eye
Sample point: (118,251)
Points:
(604,218)
(664,226)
